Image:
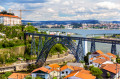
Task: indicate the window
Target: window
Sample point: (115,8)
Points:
(66,72)
(62,72)
(90,62)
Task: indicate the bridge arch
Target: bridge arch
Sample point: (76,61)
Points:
(76,50)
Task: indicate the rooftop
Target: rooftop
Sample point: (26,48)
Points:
(111,67)
(42,69)
(110,54)
(100,61)
(54,66)
(81,74)
(104,56)
(17,76)
(5,15)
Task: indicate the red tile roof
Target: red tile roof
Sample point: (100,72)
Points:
(99,51)
(54,66)
(99,61)
(104,56)
(42,69)
(66,67)
(5,15)
(111,67)
(17,76)
(81,74)
(110,54)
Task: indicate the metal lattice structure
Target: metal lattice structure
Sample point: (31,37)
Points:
(76,49)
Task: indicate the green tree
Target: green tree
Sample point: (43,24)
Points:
(31,29)
(90,67)
(28,77)
(86,57)
(38,77)
(108,75)
(96,72)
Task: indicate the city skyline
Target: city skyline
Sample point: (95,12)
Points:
(44,10)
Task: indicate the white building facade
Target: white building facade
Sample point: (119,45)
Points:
(9,20)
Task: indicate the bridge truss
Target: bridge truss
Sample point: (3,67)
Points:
(44,47)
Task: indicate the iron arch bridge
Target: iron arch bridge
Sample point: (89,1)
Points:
(76,49)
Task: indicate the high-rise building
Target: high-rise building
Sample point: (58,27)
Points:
(11,20)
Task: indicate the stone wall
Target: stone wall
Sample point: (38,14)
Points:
(14,50)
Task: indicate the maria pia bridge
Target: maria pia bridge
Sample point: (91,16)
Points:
(43,48)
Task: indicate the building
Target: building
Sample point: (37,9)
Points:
(112,56)
(98,58)
(17,76)
(41,72)
(98,62)
(113,69)
(6,19)
(52,66)
(65,70)
(83,74)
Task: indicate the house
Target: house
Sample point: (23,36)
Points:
(52,66)
(95,54)
(113,69)
(65,70)
(112,57)
(98,62)
(83,74)
(55,73)
(9,19)
(17,76)
(41,72)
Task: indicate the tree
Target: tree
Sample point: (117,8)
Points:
(28,77)
(96,72)
(86,57)
(38,77)
(108,75)
(31,29)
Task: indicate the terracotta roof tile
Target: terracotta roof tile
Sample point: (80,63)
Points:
(54,66)
(17,76)
(111,67)
(81,74)
(91,58)
(100,61)
(104,56)
(42,69)
(110,54)
(66,67)
(76,68)
(99,51)
(5,15)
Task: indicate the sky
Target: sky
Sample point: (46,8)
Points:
(44,10)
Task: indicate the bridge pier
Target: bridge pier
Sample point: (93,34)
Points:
(93,49)
(113,48)
(79,51)
(33,46)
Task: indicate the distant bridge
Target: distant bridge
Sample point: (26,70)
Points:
(76,49)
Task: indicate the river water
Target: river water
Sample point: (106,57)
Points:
(99,46)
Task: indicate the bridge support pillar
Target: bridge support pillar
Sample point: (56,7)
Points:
(113,49)
(79,51)
(93,49)
(85,48)
(40,45)
(33,46)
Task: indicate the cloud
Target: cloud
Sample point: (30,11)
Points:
(2,8)
(67,9)
(108,5)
